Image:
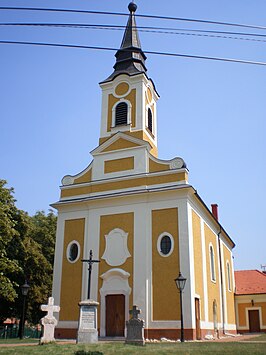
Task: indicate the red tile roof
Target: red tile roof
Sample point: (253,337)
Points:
(249,282)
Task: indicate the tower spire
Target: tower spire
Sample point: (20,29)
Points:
(130,59)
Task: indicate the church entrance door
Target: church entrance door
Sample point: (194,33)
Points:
(197,314)
(254,321)
(115,315)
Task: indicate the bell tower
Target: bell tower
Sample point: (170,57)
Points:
(128,96)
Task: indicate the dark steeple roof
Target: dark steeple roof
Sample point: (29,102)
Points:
(130,58)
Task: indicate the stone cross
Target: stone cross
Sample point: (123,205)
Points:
(49,321)
(134,312)
(50,308)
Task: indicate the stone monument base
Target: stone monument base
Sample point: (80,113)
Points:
(87,336)
(87,330)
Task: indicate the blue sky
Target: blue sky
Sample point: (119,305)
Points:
(212,114)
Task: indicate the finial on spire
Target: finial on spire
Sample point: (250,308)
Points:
(132,7)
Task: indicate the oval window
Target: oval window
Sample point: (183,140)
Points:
(73,251)
(165,244)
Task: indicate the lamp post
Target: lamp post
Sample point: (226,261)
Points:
(24,290)
(180,284)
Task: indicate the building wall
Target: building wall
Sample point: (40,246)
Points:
(244,303)
(71,284)
(213,285)
(198,263)
(228,285)
(165,268)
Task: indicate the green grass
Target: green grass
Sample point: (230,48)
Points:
(18,341)
(258,338)
(116,348)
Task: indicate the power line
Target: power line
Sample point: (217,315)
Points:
(158,30)
(137,15)
(122,27)
(147,52)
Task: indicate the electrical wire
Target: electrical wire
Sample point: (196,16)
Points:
(158,30)
(126,50)
(137,15)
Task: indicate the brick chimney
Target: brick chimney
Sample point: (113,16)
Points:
(215,210)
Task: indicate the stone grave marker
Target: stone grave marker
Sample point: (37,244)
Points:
(49,322)
(87,330)
(135,328)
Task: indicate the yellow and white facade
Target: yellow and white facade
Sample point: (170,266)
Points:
(142,220)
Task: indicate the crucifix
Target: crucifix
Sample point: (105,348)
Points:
(90,261)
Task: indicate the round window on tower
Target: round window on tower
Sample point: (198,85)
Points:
(165,244)
(73,251)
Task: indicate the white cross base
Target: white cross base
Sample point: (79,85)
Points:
(49,321)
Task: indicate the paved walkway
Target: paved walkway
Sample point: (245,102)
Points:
(249,338)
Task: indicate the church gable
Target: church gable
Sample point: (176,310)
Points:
(118,142)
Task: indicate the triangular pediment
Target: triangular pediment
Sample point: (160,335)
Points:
(120,141)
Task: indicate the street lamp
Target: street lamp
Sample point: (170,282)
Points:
(180,284)
(24,290)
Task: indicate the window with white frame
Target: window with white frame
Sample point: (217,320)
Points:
(121,114)
(212,264)
(165,244)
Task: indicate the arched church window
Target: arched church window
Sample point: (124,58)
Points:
(213,277)
(165,244)
(121,111)
(73,251)
(228,276)
(150,120)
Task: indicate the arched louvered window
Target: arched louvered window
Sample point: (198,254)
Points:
(213,277)
(149,120)
(121,114)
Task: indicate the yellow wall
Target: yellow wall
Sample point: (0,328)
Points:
(242,318)
(230,301)
(198,264)
(155,166)
(124,221)
(121,89)
(84,178)
(122,164)
(134,182)
(165,269)
(71,282)
(213,287)
(120,144)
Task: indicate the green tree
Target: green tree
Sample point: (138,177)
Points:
(9,267)
(28,250)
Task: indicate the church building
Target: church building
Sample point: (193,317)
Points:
(142,220)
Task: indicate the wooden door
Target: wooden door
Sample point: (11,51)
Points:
(254,321)
(197,314)
(115,315)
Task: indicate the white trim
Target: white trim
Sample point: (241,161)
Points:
(129,112)
(204,270)
(67,324)
(165,234)
(68,251)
